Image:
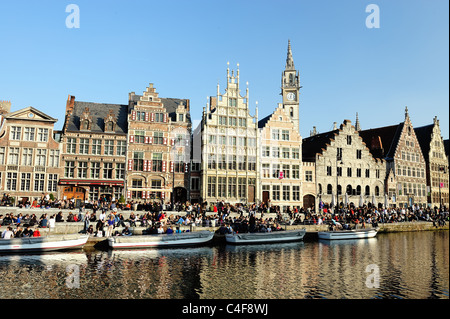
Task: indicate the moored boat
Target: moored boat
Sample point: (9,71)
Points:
(43,244)
(348,234)
(161,240)
(266,237)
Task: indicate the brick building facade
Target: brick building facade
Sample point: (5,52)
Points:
(29,155)
(94,138)
(158,155)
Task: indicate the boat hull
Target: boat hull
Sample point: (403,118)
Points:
(43,244)
(265,238)
(348,234)
(160,240)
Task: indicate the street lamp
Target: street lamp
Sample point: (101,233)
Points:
(338,158)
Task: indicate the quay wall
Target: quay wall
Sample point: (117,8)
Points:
(311,230)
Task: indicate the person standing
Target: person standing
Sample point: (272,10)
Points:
(110,224)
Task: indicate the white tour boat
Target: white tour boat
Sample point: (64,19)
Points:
(43,244)
(266,237)
(161,240)
(348,234)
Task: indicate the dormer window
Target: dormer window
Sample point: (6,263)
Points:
(110,122)
(86,120)
(180,117)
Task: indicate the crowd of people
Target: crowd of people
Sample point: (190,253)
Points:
(103,217)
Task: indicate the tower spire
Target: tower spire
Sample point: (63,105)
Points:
(357,126)
(289,59)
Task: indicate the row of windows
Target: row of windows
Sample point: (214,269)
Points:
(232,121)
(232,140)
(229,187)
(349,190)
(410,156)
(412,189)
(278,135)
(410,171)
(94,146)
(281,152)
(24,182)
(351,172)
(283,193)
(25,156)
(18,133)
(94,170)
(281,171)
(234,162)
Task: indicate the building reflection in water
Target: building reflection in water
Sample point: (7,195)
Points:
(411,265)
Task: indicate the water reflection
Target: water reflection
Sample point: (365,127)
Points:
(411,265)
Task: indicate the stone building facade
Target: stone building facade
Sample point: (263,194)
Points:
(432,145)
(345,166)
(94,138)
(29,154)
(281,161)
(399,147)
(229,146)
(158,154)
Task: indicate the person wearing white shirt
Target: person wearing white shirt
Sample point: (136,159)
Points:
(8,233)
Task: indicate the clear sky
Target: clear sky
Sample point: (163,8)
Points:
(183,48)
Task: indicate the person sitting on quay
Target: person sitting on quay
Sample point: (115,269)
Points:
(169,230)
(7,220)
(8,233)
(36,232)
(18,232)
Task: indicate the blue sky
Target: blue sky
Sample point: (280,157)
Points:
(183,48)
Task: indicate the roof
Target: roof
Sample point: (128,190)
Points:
(22,114)
(423,135)
(99,112)
(382,142)
(262,122)
(314,144)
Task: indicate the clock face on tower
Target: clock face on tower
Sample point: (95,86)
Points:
(290,96)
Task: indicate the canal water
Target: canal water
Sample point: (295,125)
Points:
(410,265)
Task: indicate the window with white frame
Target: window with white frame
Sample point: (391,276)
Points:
(28,134)
(15,133)
(42,135)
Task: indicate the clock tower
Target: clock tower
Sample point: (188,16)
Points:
(290,89)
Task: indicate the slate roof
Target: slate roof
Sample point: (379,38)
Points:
(314,144)
(382,142)
(423,135)
(262,122)
(98,111)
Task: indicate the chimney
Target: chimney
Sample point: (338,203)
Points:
(5,107)
(70,104)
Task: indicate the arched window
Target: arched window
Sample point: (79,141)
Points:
(339,190)
(320,188)
(367,193)
(85,125)
(358,190)
(377,191)
(291,112)
(329,189)
(109,126)
(349,190)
